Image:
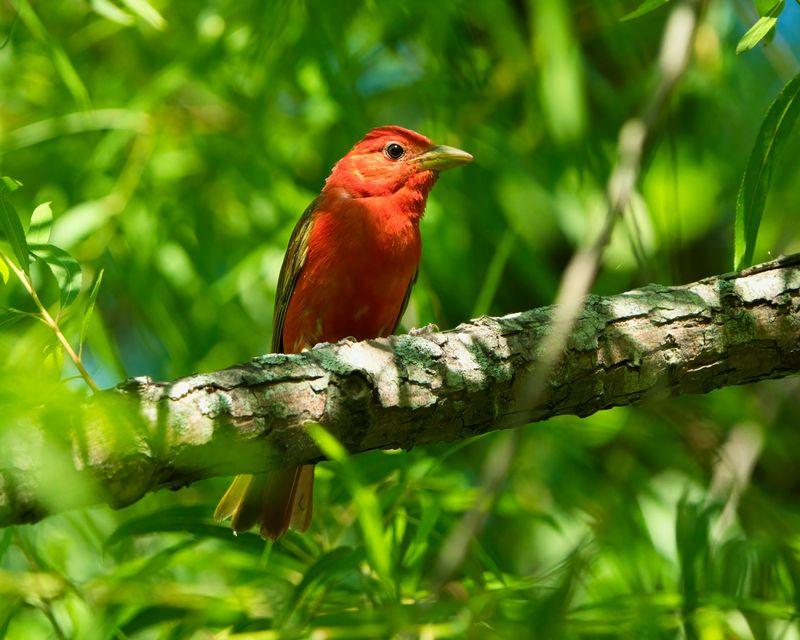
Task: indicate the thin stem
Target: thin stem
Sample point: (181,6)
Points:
(50,322)
(580,274)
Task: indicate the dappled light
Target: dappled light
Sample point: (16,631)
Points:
(154,159)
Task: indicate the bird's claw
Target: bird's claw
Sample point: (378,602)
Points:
(424,331)
(324,345)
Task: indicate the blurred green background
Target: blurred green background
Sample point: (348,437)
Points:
(179,143)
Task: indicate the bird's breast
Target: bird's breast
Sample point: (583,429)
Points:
(360,264)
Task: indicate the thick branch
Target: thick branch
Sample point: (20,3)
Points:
(409,390)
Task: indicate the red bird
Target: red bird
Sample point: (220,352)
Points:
(348,271)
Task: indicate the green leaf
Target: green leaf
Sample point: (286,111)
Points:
(53,360)
(325,569)
(87,314)
(146,12)
(4,272)
(494,275)
(12,227)
(112,12)
(193,519)
(764,7)
(760,30)
(9,316)
(10,183)
(62,63)
(41,223)
(429,514)
(763,28)
(64,268)
(646,7)
(368,508)
(752,197)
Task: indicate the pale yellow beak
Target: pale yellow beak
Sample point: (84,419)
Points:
(441,158)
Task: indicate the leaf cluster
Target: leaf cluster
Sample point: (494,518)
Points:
(175,145)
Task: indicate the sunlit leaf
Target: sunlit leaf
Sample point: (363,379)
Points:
(754,188)
(10,183)
(54,358)
(12,227)
(25,584)
(764,28)
(41,223)
(80,222)
(755,34)
(64,268)
(112,12)
(87,314)
(4,272)
(561,86)
(646,7)
(146,12)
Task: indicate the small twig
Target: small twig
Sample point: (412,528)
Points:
(579,277)
(732,472)
(50,322)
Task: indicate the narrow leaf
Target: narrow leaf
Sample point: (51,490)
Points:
(10,183)
(646,7)
(41,223)
(12,227)
(193,519)
(756,33)
(763,28)
(64,268)
(146,12)
(9,315)
(112,12)
(64,67)
(54,358)
(87,314)
(752,197)
(329,445)
(4,272)
(368,508)
(325,569)
(764,7)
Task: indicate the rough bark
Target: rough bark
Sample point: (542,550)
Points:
(408,390)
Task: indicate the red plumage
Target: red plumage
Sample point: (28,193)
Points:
(349,268)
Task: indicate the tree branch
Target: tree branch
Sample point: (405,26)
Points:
(405,391)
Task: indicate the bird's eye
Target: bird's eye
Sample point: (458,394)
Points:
(394,151)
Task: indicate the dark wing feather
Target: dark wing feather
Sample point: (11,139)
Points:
(405,301)
(293,263)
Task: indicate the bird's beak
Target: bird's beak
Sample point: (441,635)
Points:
(440,158)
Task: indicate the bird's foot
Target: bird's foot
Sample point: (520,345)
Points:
(424,331)
(323,345)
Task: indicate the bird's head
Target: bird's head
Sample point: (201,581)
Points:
(392,159)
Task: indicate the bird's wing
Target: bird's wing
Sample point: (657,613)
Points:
(405,301)
(293,263)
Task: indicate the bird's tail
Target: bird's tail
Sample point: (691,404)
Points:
(275,500)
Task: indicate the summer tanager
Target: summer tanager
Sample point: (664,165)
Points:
(348,271)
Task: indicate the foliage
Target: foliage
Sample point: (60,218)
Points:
(177,143)
(755,184)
